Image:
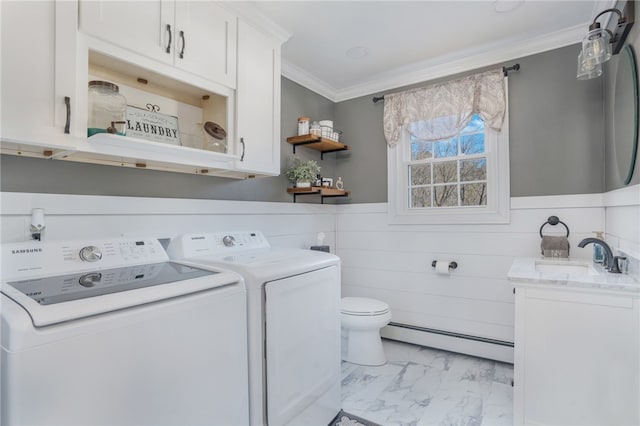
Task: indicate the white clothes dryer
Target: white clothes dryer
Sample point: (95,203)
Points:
(112,332)
(293,318)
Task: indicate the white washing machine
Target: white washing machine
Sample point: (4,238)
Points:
(294,323)
(113,333)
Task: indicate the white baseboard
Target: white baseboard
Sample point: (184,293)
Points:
(449,343)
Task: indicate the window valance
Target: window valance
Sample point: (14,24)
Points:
(442,110)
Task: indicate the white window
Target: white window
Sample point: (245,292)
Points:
(463,179)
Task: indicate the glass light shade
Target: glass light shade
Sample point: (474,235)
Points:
(596,46)
(587,68)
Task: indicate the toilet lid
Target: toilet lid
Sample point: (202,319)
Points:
(362,306)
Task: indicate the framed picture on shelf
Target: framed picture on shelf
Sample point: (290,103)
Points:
(151,125)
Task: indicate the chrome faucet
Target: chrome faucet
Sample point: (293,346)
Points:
(610,261)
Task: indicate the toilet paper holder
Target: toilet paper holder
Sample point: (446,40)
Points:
(452,265)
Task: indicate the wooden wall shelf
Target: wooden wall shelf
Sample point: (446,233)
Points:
(323,191)
(317,143)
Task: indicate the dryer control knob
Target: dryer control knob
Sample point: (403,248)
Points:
(90,254)
(228,241)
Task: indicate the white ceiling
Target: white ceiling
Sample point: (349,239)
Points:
(411,41)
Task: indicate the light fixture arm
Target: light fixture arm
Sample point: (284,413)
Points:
(595,25)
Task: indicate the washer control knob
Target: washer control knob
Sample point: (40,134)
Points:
(228,241)
(90,254)
(90,280)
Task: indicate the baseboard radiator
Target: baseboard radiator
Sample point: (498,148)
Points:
(498,350)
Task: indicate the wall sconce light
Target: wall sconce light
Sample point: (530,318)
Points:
(597,44)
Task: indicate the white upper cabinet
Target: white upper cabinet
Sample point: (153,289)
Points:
(38,73)
(195,36)
(180,57)
(205,41)
(258,101)
(145,27)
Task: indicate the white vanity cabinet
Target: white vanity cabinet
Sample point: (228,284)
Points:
(258,101)
(38,73)
(577,356)
(195,36)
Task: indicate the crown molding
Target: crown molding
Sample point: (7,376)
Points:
(249,13)
(438,67)
(308,80)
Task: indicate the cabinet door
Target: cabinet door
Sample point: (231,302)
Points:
(577,359)
(206,41)
(258,101)
(145,27)
(38,71)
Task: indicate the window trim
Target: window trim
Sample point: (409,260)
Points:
(497,210)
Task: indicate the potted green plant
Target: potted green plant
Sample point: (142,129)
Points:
(302,172)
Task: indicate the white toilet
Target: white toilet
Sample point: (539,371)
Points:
(361,320)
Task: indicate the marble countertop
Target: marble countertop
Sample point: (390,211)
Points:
(569,273)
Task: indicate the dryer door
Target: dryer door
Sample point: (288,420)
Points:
(303,348)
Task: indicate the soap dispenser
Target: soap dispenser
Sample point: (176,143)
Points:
(598,252)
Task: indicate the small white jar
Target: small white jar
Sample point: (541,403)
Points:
(303,126)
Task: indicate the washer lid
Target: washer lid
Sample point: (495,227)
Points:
(56,299)
(363,306)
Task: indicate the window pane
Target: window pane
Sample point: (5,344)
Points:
(420,150)
(472,144)
(448,148)
(473,170)
(420,174)
(473,194)
(445,195)
(475,125)
(445,172)
(420,197)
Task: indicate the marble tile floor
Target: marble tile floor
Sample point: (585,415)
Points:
(423,386)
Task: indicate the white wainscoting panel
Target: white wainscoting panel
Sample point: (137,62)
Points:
(622,210)
(87,217)
(393,263)
(388,262)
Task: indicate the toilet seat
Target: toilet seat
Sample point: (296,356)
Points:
(362,306)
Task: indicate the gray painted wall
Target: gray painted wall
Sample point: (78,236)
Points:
(20,174)
(556,132)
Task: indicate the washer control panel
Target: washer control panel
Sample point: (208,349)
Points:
(229,240)
(57,257)
(195,245)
